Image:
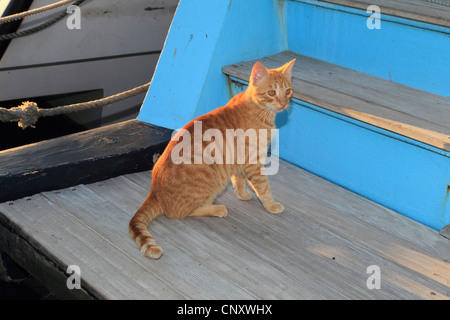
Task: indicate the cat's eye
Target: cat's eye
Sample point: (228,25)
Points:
(271,93)
(288,91)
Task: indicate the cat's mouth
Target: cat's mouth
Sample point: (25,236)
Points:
(281,108)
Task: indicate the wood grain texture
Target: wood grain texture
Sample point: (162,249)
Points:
(445,232)
(319,248)
(418,10)
(410,112)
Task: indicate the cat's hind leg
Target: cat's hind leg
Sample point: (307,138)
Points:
(240,187)
(210,210)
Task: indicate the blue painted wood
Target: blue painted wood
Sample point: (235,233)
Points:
(397,172)
(204,36)
(412,53)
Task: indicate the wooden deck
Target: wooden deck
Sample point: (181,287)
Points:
(319,248)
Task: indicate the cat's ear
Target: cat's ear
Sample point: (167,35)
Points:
(259,73)
(287,69)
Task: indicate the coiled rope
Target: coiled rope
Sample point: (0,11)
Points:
(28,113)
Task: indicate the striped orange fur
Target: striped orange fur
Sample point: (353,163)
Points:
(189,189)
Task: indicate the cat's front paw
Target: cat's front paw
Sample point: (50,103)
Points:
(275,208)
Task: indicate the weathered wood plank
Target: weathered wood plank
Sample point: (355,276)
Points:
(38,263)
(408,243)
(83,157)
(423,105)
(409,112)
(181,270)
(445,232)
(403,228)
(334,261)
(65,240)
(412,9)
(216,251)
(293,229)
(341,88)
(319,248)
(217,255)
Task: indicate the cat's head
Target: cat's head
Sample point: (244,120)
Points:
(272,87)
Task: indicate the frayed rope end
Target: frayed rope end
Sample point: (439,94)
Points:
(29,114)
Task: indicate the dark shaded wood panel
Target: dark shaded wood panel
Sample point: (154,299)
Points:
(79,158)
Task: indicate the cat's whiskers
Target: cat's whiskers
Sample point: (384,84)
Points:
(264,113)
(260,113)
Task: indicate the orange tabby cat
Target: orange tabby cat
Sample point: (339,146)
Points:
(189,188)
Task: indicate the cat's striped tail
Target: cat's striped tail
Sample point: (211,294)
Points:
(138,228)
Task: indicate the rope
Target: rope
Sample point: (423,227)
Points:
(37,28)
(25,14)
(28,113)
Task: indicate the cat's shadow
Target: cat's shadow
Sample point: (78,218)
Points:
(282,118)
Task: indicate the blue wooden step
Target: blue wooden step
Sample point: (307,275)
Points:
(386,141)
(410,112)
